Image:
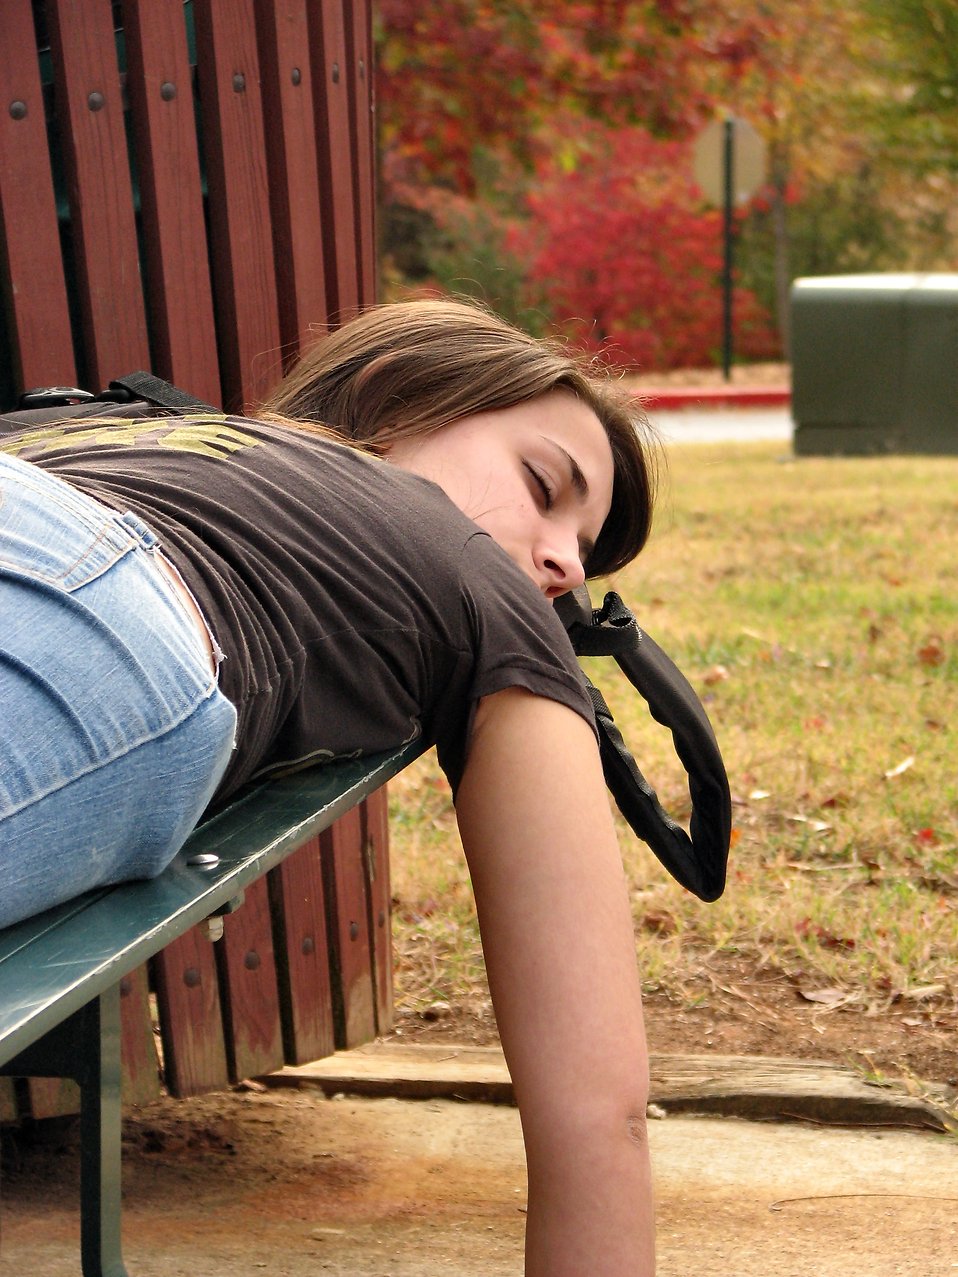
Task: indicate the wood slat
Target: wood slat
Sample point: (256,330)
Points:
(9,1109)
(331,62)
(375,816)
(298,905)
(295,201)
(52,1097)
(141,1075)
(33,280)
(191,1025)
(234,147)
(354,1000)
(361,85)
(175,257)
(90,132)
(248,987)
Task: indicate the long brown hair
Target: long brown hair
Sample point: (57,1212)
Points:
(408,368)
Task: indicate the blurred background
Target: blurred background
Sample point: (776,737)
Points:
(540,156)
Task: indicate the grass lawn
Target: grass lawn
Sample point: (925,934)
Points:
(813,603)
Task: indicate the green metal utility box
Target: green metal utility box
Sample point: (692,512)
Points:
(875,364)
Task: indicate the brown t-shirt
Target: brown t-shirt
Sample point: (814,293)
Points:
(358,608)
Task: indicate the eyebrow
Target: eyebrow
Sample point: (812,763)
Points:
(579,481)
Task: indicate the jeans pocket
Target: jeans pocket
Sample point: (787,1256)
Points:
(52,532)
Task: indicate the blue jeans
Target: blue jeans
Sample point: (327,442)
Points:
(113,731)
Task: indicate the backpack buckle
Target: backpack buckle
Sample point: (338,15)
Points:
(54,397)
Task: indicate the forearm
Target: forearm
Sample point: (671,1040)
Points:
(557,936)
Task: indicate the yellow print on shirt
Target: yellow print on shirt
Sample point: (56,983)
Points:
(207,434)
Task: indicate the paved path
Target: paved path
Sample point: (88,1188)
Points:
(723,425)
(291,1184)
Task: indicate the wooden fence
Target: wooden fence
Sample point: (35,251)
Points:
(189,188)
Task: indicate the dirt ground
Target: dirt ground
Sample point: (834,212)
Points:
(739,1010)
(292,1184)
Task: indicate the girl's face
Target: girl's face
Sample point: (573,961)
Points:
(537,477)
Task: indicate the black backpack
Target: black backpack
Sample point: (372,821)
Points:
(697,859)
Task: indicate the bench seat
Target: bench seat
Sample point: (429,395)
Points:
(60,972)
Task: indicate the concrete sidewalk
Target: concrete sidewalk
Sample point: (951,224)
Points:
(292,1183)
(723,424)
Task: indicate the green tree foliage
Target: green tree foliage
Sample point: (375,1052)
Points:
(919,60)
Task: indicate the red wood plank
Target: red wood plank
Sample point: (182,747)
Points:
(362,112)
(52,1097)
(330,60)
(9,1110)
(57,1097)
(283,35)
(234,147)
(141,1075)
(102,224)
(354,997)
(32,267)
(375,812)
(176,262)
(248,986)
(191,1027)
(298,905)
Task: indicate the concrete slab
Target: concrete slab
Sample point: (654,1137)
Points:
(295,1184)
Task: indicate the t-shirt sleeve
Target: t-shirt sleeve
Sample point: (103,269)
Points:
(517,640)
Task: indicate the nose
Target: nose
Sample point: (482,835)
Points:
(559,569)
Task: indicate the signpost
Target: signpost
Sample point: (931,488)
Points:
(728,161)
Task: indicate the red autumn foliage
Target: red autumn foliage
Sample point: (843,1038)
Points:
(629,259)
(460,77)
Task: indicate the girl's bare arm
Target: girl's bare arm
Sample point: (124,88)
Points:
(559,947)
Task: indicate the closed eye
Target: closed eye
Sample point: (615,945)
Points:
(541,482)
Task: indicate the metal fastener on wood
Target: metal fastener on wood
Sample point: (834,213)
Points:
(354,930)
(335,73)
(239,82)
(252,960)
(167,91)
(296,75)
(309,945)
(18,109)
(192,978)
(96,101)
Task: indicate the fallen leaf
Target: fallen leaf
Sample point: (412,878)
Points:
(717,674)
(827,997)
(902,767)
(835,800)
(660,921)
(933,653)
(819,826)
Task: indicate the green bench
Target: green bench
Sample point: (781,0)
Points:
(61,972)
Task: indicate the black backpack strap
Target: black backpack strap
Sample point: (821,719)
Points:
(153,390)
(698,860)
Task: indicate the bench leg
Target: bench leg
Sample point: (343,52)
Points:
(86,1047)
(101,1138)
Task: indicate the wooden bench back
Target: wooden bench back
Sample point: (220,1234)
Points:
(191,192)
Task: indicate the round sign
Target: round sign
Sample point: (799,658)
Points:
(748,161)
